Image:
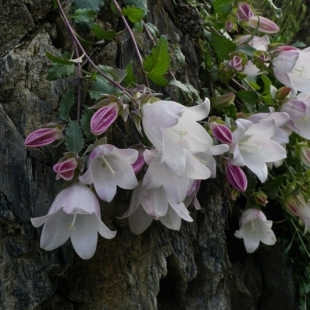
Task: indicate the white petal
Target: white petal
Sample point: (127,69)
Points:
(85,235)
(195,169)
(103,230)
(126,179)
(55,231)
(134,201)
(139,221)
(198,112)
(181,210)
(171,220)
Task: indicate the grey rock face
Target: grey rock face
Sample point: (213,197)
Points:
(159,269)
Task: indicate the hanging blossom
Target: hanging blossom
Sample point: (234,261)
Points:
(253,146)
(297,206)
(109,167)
(299,111)
(75,214)
(255,228)
(292,68)
(173,129)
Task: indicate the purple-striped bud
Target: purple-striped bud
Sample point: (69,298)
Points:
(221,133)
(139,163)
(229,25)
(244,12)
(236,63)
(263,24)
(103,118)
(305,155)
(236,177)
(43,136)
(65,169)
(295,108)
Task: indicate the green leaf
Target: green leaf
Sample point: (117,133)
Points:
(84,15)
(267,83)
(58,71)
(222,6)
(102,34)
(179,85)
(142,4)
(59,60)
(99,87)
(88,4)
(152,29)
(134,14)
(117,74)
(130,77)
(272,188)
(85,122)
(222,46)
(66,103)
(178,53)
(249,99)
(74,137)
(248,50)
(157,63)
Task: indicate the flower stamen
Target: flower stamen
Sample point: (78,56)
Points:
(72,223)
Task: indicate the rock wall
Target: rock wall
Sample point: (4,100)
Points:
(195,268)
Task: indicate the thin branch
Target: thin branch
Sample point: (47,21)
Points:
(133,40)
(79,45)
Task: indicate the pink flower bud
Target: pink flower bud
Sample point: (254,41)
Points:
(292,204)
(43,136)
(282,93)
(263,24)
(244,12)
(139,163)
(283,48)
(236,177)
(305,155)
(221,133)
(236,63)
(229,25)
(65,169)
(103,118)
(295,108)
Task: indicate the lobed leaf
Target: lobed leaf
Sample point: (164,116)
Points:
(222,46)
(84,15)
(88,4)
(74,138)
(135,15)
(65,105)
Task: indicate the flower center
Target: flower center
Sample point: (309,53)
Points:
(105,163)
(250,147)
(253,226)
(180,133)
(72,223)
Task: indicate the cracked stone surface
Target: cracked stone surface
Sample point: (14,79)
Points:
(160,269)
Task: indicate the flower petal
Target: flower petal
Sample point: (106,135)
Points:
(139,221)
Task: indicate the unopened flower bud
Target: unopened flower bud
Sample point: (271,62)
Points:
(261,198)
(103,118)
(293,203)
(282,93)
(223,101)
(305,155)
(244,11)
(43,136)
(65,169)
(236,63)
(221,133)
(229,25)
(263,24)
(236,177)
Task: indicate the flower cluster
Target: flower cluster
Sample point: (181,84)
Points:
(186,145)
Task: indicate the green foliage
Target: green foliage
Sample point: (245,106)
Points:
(130,77)
(65,105)
(222,6)
(99,87)
(135,15)
(222,46)
(152,29)
(88,4)
(74,138)
(157,63)
(249,99)
(84,15)
(60,68)
(101,33)
(85,122)
(142,4)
